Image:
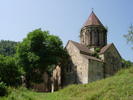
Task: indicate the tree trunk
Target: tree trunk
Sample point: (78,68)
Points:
(28,85)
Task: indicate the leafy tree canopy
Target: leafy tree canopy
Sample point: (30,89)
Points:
(7,48)
(129,36)
(37,52)
(126,63)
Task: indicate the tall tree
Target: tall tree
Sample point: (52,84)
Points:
(129,36)
(37,52)
(9,71)
(8,48)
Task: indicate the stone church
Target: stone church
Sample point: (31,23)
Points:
(90,60)
(93,58)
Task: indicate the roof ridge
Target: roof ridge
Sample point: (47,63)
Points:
(103,49)
(81,47)
(92,57)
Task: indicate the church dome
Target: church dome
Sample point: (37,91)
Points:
(93,20)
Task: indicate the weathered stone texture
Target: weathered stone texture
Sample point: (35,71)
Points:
(95,70)
(93,36)
(79,66)
(112,61)
(57,78)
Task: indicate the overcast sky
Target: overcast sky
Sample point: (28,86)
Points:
(65,19)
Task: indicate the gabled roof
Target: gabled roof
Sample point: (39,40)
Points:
(105,48)
(92,58)
(83,49)
(93,20)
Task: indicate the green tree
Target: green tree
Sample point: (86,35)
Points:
(126,63)
(9,72)
(37,52)
(129,36)
(8,48)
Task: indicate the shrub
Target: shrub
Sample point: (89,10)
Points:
(97,50)
(3,89)
(126,63)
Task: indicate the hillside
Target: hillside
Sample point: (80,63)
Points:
(118,87)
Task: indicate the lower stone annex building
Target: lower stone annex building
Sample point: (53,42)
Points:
(92,59)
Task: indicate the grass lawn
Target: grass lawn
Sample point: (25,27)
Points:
(118,87)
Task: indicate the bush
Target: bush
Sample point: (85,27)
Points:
(3,89)
(126,63)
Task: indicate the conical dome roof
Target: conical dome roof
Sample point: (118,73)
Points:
(93,20)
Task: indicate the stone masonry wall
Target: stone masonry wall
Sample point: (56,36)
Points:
(79,66)
(112,61)
(96,71)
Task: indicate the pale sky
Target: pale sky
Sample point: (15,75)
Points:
(65,19)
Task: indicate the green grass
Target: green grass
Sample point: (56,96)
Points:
(118,87)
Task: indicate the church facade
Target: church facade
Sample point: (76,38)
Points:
(92,59)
